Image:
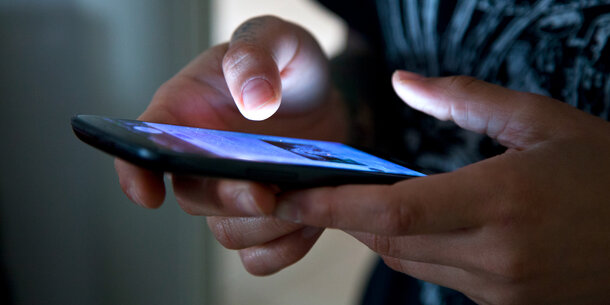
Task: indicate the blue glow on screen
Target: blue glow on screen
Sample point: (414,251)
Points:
(281,150)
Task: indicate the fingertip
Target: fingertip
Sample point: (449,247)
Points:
(420,93)
(263,112)
(254,80)
(402,81)
(276,255)
(254,261)
(143,187)
(405,76)
(265,197)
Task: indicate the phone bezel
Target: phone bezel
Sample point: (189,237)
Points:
(125,144)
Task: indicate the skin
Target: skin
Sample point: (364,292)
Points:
(529,226)
(209,93)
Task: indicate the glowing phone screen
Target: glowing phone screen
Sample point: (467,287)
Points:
(270,149)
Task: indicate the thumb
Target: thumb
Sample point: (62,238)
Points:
(268,59)
(515,119)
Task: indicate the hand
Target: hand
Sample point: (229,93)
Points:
(230,86)
(530,226)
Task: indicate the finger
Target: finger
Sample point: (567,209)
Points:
(244,232)
(280,253)
(516,119)
(196,96)
(414,206)
(142,186)
(146,188)
(455,248)
(262,62)
(223,197)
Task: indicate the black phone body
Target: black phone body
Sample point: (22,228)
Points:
(215,153)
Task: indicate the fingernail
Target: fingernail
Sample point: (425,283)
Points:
(246,203)
(310,232)
(256,94)
(406,75)
(288,211)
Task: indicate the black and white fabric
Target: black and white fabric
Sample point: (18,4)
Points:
(551,47)
(554,48)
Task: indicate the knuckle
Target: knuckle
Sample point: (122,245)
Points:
(391,224)
(278,225)
(381,245)
(323,207)
(194,197)
(186,204)
(406,216)
(224,233)
(397,217)
(462,82)
(331,211)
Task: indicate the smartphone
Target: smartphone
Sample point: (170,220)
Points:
(216,153)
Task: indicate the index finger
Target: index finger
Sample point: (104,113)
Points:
(433,204)
(142,186)
(179,101)
(269,58)
(223,197)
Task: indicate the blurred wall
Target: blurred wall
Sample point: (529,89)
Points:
(329,30)
(68,234)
